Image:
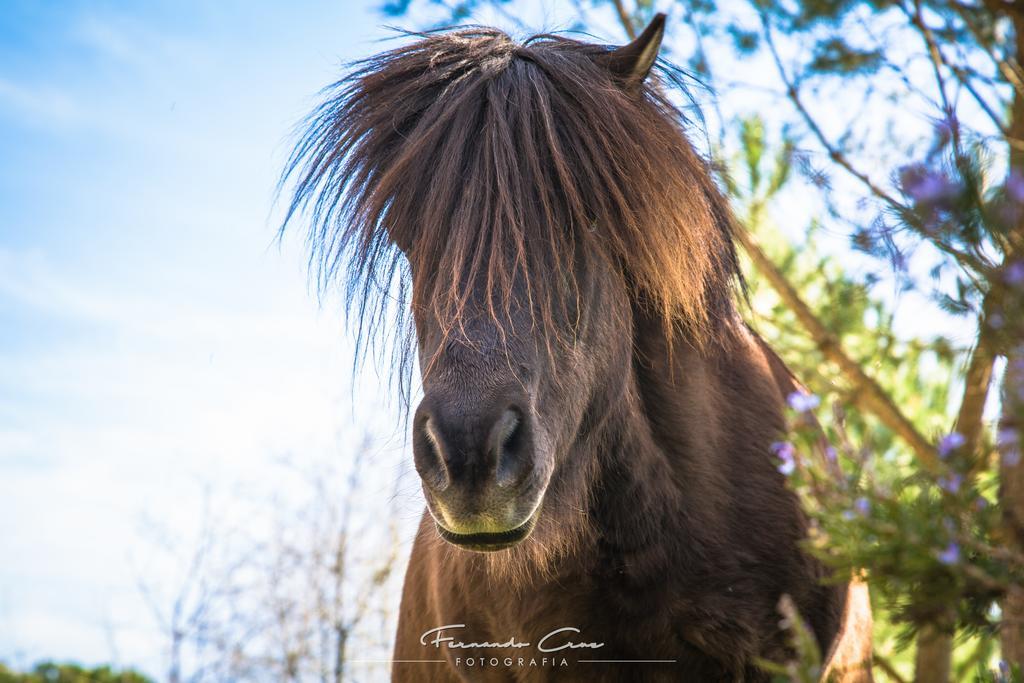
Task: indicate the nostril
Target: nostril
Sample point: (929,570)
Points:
(505,431)
(506,441)
(433,463)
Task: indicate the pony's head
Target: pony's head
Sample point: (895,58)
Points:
(525,202)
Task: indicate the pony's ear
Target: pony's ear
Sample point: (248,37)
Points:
(633,62)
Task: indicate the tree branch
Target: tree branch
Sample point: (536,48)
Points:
(624,19)
(868,393)
(840,159)
(977,381)
(886,666)
(1011,71)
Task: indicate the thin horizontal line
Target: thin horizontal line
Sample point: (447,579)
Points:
(627,661)
(397,661)
(582,661)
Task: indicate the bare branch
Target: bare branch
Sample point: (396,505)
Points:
(1009,68)
(624,19)
(885,665)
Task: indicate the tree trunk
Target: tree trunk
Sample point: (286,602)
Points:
(1011,493)
(174,667)
(934,655)
(1011,470)
(341,633)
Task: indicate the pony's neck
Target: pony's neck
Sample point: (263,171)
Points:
(656,454)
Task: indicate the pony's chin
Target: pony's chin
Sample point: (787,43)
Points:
(489,542)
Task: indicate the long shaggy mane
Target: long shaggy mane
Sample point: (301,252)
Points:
(490,162)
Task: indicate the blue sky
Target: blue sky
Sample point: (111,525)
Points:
(154,340)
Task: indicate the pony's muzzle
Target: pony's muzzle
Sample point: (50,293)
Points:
(478,463)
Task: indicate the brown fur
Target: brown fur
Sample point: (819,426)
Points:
(563,250)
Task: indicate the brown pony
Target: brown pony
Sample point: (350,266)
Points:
(594,435)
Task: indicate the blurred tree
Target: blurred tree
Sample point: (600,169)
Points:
(862,523)
(52,672)
(942,203)
(296,601)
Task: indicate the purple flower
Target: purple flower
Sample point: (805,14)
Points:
(1015,186)
(925,185)
(1008,442)
(1013,275)
(803,403)
(863,506)
(1018,361)
(951,555)
(786,453)
(831,454)
(1009,213)
(951,484)
(783,449)
(945,128)
(950,443)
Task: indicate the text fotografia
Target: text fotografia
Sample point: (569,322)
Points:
(508,662)
(558,641)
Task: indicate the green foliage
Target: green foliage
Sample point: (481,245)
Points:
(835,56)
(844,303)
(745,42)
(926,541)
(52,672)
(810,15)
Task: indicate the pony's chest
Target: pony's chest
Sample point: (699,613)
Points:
(656,626)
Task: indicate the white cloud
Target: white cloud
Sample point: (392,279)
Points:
(38,103)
